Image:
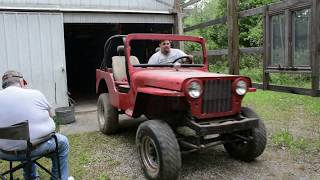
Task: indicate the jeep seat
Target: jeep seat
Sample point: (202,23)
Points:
(119,69)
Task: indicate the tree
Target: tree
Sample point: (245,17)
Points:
(251,32)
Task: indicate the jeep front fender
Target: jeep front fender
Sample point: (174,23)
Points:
(147,96)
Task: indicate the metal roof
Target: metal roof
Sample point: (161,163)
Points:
(120,6)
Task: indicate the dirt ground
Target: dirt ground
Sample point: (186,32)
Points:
(213,163)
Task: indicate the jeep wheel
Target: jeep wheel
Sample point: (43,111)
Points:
(249,150)
(108,116)
(159,150)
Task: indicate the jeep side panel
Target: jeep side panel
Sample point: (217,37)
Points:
(106,78)
(123,101)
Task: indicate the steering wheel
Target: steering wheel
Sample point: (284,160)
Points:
(182,57)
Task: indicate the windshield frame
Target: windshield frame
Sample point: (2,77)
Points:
(170,37)
(166,65)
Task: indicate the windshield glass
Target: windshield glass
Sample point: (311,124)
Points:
(164,53)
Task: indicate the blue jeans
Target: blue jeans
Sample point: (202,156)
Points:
(46,147)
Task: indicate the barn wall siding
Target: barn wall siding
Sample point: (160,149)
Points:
(33,43)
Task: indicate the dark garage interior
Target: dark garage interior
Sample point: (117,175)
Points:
(84,51)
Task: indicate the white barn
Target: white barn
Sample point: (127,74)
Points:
(58,44)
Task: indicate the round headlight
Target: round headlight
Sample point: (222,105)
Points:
(194,89)
(241,87)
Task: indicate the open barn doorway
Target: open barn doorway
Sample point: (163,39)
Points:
(84,51)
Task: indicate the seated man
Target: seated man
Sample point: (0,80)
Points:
(17,104)
(166,54)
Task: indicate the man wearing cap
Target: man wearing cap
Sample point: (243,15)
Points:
(17,104)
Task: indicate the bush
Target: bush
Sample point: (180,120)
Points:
(295,80)
(252,66)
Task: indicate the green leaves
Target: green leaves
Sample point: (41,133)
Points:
(251,28)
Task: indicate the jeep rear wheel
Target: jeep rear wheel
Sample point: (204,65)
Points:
(159,150)
(249,150)
(108,116)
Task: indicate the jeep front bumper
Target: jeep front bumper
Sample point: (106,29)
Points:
(227,126)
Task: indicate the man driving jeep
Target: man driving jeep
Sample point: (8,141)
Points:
(166,54)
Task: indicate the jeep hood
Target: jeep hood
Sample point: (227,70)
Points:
(170,78)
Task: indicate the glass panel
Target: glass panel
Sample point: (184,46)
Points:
(301,33)
(277,40)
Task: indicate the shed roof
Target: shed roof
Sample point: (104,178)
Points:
(122,6)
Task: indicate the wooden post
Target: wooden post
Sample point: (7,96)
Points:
(178,18)
(178,24)
(233,37)
(266,47)
(315,46)
(288,61)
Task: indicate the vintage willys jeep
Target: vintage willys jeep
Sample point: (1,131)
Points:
(187,108)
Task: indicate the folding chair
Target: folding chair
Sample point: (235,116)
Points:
(21,132)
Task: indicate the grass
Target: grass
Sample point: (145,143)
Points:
(88,155)
(292,120)
(91,155)
(284,139)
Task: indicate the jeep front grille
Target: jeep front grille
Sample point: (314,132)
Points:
(217,96)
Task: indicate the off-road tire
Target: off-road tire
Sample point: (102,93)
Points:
(250,150)
(108,116)
(166,148)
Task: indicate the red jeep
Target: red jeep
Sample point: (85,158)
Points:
(187,107)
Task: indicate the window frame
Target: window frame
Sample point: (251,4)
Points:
(288,12)
(293,36)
